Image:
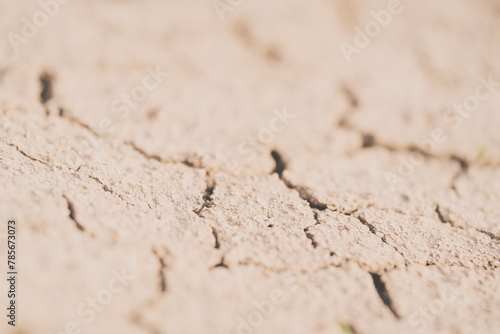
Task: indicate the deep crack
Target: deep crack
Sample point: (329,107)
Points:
(383,293)
(207,197)
(216,237)
(313,202)
(72,214)
(221,264)
(310,236)
(280,164)
(47,89)
(368,140)
(441,217)
(304,193)
(367,224)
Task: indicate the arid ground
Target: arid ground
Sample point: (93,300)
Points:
(240,167)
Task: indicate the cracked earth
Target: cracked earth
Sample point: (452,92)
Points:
(260,183)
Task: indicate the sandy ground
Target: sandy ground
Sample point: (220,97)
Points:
(251,166)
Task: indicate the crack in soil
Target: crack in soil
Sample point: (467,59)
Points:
(143,153)
(207,196)
(110,190)
(28,156)
(304,193)
(47,88)
(187,162)
(310,236)
(370,140)
(75,120)
(155,157)
(280,164)
(162,280)
(445,220)
(72,214)
(296,270)
(314,204)
(373,230)
(216,237)
(383,293)
(104,186)
(221,264)
(367,224)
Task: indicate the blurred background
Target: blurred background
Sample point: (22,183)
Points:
(230,64)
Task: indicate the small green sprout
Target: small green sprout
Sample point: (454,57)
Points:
(346,329)
(481,153)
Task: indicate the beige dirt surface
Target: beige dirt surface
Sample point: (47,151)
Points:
(227,167)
